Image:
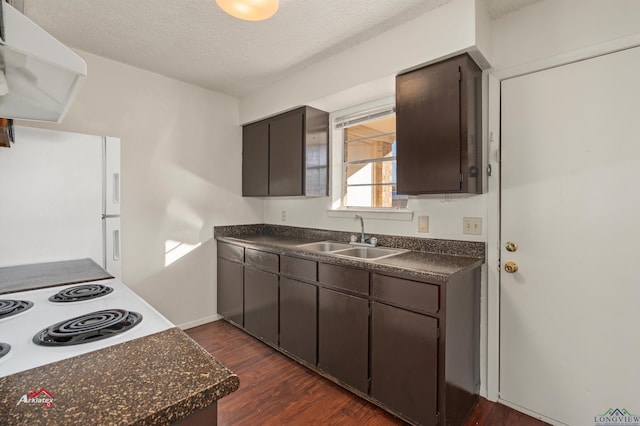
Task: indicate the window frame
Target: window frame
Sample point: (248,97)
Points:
(338,169)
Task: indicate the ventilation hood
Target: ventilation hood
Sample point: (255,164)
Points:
(39,76)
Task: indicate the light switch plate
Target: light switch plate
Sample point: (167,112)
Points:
(472,225)
(423,224)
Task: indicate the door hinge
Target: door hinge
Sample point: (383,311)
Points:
(438,418)
(437,333)
(461,178)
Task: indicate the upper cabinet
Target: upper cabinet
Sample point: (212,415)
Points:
(286,155)
(438,128)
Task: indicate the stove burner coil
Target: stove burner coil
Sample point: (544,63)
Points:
(81,292)
(4,349)
(13,307)
(88,328)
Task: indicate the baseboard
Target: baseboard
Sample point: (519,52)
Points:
(531,413)
(198,322)
(484,393)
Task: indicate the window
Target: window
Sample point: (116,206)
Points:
(369,160)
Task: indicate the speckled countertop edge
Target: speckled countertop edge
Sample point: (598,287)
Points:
(156,379)
(436,267)
(428,245)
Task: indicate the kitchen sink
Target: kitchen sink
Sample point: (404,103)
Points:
(325,246)
(369,253)
(348,250)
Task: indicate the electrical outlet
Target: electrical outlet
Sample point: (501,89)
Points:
(472,225)
(283,216)
(423,224)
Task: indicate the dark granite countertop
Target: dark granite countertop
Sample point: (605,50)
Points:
(430,260)
(156,379)
(51,274)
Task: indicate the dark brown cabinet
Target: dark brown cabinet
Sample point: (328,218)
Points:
(261,304)
(438,128)
(255,155)
(261,294)
(343,338)
(344,278)
(409,346)
(298,319)
(404,362)
(230,289)
(287,154)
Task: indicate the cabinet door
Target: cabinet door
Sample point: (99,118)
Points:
(230,290)
(261,304)
(298,319)
(343,337)
(255,159)
(404,362)
(428,129)
(286,157)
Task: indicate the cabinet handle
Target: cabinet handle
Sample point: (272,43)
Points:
(116,244)
(116,188)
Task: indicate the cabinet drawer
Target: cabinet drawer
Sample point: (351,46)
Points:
(262,259)
(356,280)
(299,268)
(412,294)
(230,252)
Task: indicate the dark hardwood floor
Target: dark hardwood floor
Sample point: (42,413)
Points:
(274,390)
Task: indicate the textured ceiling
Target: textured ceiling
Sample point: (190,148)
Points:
(195,41)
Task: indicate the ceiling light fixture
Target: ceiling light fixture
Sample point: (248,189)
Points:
(249,10)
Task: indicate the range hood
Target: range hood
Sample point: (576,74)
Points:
(39,76)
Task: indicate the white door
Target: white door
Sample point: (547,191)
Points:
(570,199)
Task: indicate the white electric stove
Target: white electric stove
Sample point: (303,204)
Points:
(55,323)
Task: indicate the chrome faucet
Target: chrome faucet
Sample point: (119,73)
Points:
(362,238)
(364,241)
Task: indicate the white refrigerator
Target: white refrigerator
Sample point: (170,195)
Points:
(60,198)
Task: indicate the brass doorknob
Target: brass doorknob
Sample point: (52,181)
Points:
(511,267)
(511,246)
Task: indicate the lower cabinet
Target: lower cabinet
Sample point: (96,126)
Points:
(343,337)
(404,362)
(231,290)
(261,304)
(298,319)
(409,346)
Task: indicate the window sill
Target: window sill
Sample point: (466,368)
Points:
(386,214)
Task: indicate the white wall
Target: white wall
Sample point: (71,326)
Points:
(544,34)
(181,175)
(441,32)
(554,27)
(445,216)
(348,79)
(539,31)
